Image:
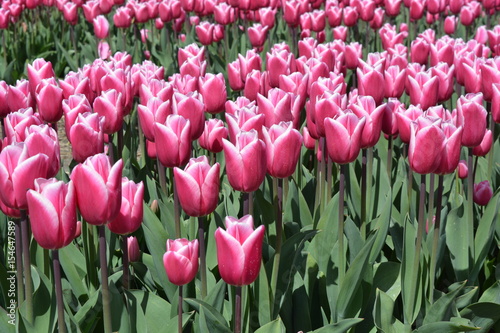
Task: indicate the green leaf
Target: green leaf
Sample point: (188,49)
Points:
(383,312)
(382,225)
(275,326)
(211,317)
(444,327)
(5,326)
(155,309)
(340,327)
(441,309)
(352,281)
(217,295)
(407,275)
(73,265)
(457,241)
(295,208)
(387,278)
(483,315)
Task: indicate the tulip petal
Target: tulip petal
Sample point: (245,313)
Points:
(230,257)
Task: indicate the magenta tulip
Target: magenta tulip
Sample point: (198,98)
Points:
(87,137)
(156,111)
(472,116)
(98,189)
(463,170)
(482,193)
(110,106)
(181,260)
(283,144)
(451,149)
(212,136)
(134,253)
(129,218)
(52,207)
(343,137)
(239,250)
(173,141)
(208,85)
(426,148)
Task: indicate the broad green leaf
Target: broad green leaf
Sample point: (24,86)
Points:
(216,295)
(408,275)
(211,317)
(383,312)
(387,278)
(89,314)
(339,327)
(445,327)
(492,294)
(382,225)
(7,323)
(155,309)
(482,314)
(73,265)
(295,208)
(275,326)
(457,241)
(441,310)
(262,296)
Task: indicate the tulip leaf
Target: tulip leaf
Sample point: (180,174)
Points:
(152,306)
(387,278)
(484,236)
(445,327)
(383,312)
(381,224)
(72,263)
(262,300)
(5,326)
(441,310)
(408,275)
(216,296)
(88,315)
(492,294)
(340,327)
(350,286)
(211,318)
(457,241)
(482,314)
(295,208)
(275,326)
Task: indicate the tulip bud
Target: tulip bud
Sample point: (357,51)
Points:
(472,116)
(239,250)
(134,253)
(101,27)
(482,193)
(463,170)
(181,260)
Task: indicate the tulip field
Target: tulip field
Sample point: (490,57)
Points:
(249,166)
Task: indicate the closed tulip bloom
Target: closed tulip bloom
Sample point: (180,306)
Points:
(371,83)
(122,17)
(392,7)
(234,76)
(129,218)
(4,18)
(173,140)
(181,260)
(248,63)
(244,119)
(52,207)
(205,31)
(87,136)
(70,13)
(394,81)
(405,119)
(279,63)
(190,51)
(291,12)
(257,35)
(452,144)
(190,107)
(37,71)
(156,111)
(193,67)
(101,27)
(495,103)
(213,90)
(98,189)
(19,96)
(43,139)
(343,137)
(353,52)
(134,253)
(490,75)
(328,105)
(446,76)
(484,147)
(350,16)
(423,90)
(109,105)
(16,124)
(4,107)
(365,107)
(18,170)
(49,100)
(442,51)
(426,145)
(276,107)
(72,107)
(420,51)
(212,136)
(450,24)
(283,144)
(246,161)
(482,193)
(467,15)
(239,250)
(472,116)
(463,171)
(416,9)
(198,186)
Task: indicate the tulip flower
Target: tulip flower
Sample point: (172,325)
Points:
(484,147)
(245,161)
(155,111)
(239,250)
(190,107)
(371,83)
(133,250)
(328,105)
(283,144)
(190,51)
(19,96)
(37,71)
(73,106)
(343,137)
(98,189)
(210,83)
(101,27)
(198,186)
(52,207)
(109,105)
(426,148)
(87,137)
(43,139)
(463,171)
(279,63)
(181,260)
(364,106)
(450,24)
(129,218)
(49,100)
(193,67)
(173,141)
(472,116)
(212,136)
(482,193)
(451,149)
(244,119)
(17,122)
(276,107)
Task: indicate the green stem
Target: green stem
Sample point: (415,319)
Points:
(435,241)
(278,205)
(126,271)
(363,195)
(27,266)
(106,303)
(430,210)
(162,176)
(177,212)
(491,152)
(59,296)
(247,203)
(322,181)
(179,311)
(418,246)
(203,260)
(341,258)
(389,158)
(237,310)
(470,205)
(369,181)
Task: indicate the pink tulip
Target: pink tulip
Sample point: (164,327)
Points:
(495,103)
(343,137)
(239,250)
(484,147)
(155,111)
(394,79)
(134,253)
(76,83)
(87,137)
(450,23)
(328,105)
(246,161)
(190,51)
(426,148)
(234,76)
(52,207)
(249,62)
(405,119)
(122,17)
(49,100)
(451,149)
(283,144)
(72,107)
(98,189)
(101,27)
(205,31)
(19,96)
(244,119)
(198,186)
(276,107)
(181,260)
(279,63)
(291,12)
(257,35)
(371,83)
(416,9)
(210,83)
(4,18)
(420,51)
(173,140)
(423,89)
(70,13)
(17,122)
(39,70)
(129,218)
(392,7)
(482,193)
(446,77)
(4,107)
(43,139)
(212,136)
(463,171)
(350,16)
(472,116)
(109,105)
(190,107)
(365,107)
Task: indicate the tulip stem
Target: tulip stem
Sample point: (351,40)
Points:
(162,176)
(177,215)
(203,260)
(369,181)
(59,296)
(389,159)
(470,205)
(418,247)
(278,205)
(106,304)
(430,209)
(491,152)
(340,233)
(179,311)
(237,310)
(363,195)
(322,179)
(19,263)
(435,241)
(27,266)
(247,203)
(126,271)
